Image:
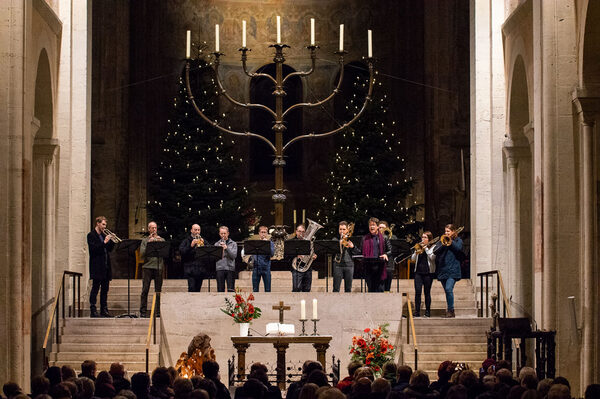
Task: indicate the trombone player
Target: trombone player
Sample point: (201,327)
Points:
(100,242)
(449,256)
(424,259)
(343,266)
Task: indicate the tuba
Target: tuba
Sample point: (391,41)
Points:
(302,263)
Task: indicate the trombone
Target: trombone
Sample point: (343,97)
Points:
(114,238)
(447,240)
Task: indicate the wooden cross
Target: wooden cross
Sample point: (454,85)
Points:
(281,308)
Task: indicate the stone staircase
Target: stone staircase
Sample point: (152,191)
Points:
(461,339)
(123,339)
(105,340)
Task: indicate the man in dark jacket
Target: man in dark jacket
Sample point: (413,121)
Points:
(210,369)
(193,269)
(99,244)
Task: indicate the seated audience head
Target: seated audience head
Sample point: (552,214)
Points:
(403,373)
(140,384)
(559,391)
(361,387)
(261,375)
(60,391)
(544,386)
(127,393)
(117,370)
(70,384)
(457,392)
(160,378)
(54,375)
(528,378)
(489,380)
(87,388)
(516,392)
(88,369)
(309,366)
(562,380)
(381,386)
(331,393)
(199,394)
(308,391)
(318,377)
(182,387)
(504,364)
(104,377)
(445,370)
(530,394)
(254,389)
(468,378)
(353,366)
(173,373)
(592,391)
(389,370)
(209,386)
(11,389)
(39,385)
(196,380)
(504,376)
(104,385)
(365,372)
(258,366)
(67,372)
(210,369)
(419,379)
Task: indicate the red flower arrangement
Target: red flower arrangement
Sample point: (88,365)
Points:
(373,348)
(241,309)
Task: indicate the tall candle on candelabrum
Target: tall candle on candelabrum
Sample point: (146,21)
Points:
(315,314)
(303,310)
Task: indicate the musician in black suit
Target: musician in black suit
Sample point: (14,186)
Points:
(99,244)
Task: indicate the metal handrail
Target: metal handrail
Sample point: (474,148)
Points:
(151,326)
(502,298)
(410,324)
(76,278)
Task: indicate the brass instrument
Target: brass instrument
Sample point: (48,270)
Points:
(420,247)
(302,263)
(388,231)
(344,242)
(447,240)
(113,237)
(200,242)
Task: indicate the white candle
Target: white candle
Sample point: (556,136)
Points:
(244,33)
(342,37)
(312,31)
(188,43)
(217,38)
(278,29)
(315,309)
(303,310)
(370,41)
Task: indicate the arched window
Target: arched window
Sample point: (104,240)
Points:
(261,156)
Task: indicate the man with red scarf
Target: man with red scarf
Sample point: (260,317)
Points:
(376,251)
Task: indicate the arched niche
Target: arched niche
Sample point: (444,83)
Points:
(591,46)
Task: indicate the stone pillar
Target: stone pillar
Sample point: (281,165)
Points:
(588,108)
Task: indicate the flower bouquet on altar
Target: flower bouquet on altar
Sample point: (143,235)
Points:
(373,348)
(241,310)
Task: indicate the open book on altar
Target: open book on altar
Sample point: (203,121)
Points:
(280,329)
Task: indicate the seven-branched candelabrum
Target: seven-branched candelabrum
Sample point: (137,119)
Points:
(279,116)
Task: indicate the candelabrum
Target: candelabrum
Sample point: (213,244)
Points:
(279,116)
(303,321)
(315,327)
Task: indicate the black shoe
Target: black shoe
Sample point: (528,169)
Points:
(450,314)
(94,313)
(416,314)
(427,313)
(104,313)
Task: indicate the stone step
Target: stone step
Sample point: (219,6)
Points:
(108,357)
(94,347)
(446,347)
(131,367)
(454,338)
(102,339)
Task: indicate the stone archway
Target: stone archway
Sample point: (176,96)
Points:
(518,180)
(43,208)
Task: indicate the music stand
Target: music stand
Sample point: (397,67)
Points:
(327,248)
(293,248)
(257,247)
(130,246)
(208,253)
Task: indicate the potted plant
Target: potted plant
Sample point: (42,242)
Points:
(241,310)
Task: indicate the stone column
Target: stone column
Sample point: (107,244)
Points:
(588,108)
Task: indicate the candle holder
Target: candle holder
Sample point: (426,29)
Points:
(315,327)
(303,321)
(278,115)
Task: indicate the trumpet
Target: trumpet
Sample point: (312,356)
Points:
(420,247)
(113,237)
(200,242)
(447,240)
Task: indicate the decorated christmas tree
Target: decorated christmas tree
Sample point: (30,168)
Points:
(196,178)
(368,177)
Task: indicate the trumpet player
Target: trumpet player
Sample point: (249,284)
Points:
(99,245)
(151,270)
(448,264)
(193,269)
(424,259)
(344,269)
(226,265)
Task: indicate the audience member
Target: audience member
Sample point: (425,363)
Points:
(456,392)
(445,371)
(544,386)
(60,391)
(253,389)
(208,386)
(592,391)
(563,381)
(39,386)
(11,389)
(559,391)
(330,393)
(419,386)
(71,386)
(88,387)
(308,391)
(210,369)
(54,375)
(117,371)
(308,367)
(104,385)
(380,388)
(161,384)
(528,378)
(199,394)
(259,371)
(182,387)
(516,392)
(361,388)
(126,393)
(345,385)
(140,385)
(67,373)
(88,369)
(389,371)
(318,377)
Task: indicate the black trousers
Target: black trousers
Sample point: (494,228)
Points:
(148,275)
(102,286)
(225,275)
(423,282)
(342,272)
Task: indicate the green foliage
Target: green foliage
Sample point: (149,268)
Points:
(367,177)
(196,177)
